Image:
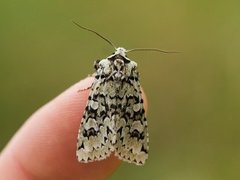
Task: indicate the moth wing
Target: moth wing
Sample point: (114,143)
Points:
(93,137)
(132,134)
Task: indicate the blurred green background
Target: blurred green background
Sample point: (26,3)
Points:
(193,96)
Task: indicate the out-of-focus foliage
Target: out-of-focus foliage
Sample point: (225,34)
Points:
(193,96)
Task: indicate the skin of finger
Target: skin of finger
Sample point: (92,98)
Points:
(45,146)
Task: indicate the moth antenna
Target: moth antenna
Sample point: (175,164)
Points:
(99,35)
(151,49)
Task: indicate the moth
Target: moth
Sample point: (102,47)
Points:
(114,119)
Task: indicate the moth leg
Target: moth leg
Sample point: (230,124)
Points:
(89,87)
(84,89)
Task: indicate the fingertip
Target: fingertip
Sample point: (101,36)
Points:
(45,146)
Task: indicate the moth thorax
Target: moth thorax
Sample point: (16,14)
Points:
(119,64)
(118,69)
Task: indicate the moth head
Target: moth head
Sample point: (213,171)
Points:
(120,51)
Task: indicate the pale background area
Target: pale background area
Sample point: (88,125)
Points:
(193,96)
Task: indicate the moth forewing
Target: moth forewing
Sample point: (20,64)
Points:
(114,118)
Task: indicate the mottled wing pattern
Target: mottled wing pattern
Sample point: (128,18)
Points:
(95,133)
(132,136)
(114,118)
